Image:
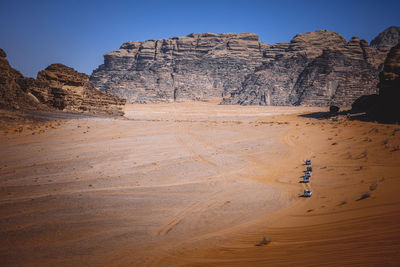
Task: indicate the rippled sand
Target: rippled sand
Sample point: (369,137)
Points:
(200,184)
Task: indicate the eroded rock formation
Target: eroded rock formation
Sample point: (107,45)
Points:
(316,69)
(14,88)
(66,89)
(57,86)
(195,67)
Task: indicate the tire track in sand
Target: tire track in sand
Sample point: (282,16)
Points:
(193,207)
(270,173)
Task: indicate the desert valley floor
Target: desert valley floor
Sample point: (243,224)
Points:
(194,184)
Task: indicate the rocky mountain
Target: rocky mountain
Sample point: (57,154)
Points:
(387,39)
(56,87)
(195,67)
(317,69)
(66,89)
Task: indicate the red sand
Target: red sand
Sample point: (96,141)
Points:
(200,184)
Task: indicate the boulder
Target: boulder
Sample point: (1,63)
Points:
(334,109)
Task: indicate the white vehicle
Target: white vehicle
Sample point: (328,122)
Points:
(306,179)
(307,173)
(307,193)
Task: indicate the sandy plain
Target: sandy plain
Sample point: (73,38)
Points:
(199,184)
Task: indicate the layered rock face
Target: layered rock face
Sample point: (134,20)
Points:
(340,75)
(315,69)
(64,88)
(14,88)
(57,86)
(195,67)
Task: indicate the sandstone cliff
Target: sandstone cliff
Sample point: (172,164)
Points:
(317,69)
(57,86)
(195,67)
(339,75)
(64,88)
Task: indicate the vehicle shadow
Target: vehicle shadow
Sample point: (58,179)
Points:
(305,196)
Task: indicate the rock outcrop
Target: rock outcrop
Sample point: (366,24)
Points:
(315,69)
(66,89)
(14,88)
(58,87)
(339,76)
(195,67)
(387,39)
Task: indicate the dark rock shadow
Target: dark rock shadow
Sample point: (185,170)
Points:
(325,115)
(52,115)
(350,115)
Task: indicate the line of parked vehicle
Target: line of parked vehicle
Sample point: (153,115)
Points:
(306,178)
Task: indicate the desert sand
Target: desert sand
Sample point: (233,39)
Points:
(196,184)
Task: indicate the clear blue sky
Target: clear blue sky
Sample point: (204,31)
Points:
(35,34)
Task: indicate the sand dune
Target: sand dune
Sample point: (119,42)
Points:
(200,184)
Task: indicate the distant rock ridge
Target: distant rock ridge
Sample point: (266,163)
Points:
(387,39)
(315,69)
(58,86)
